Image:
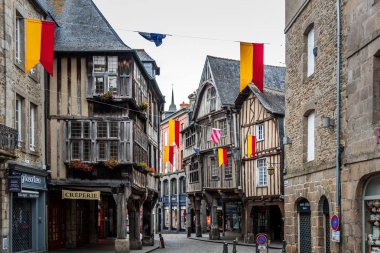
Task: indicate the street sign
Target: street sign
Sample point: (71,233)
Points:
(262,247)
(334,222)
(261,239)
(335,236)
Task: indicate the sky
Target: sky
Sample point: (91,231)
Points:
(198,28)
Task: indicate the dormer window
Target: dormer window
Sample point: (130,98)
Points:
(211,99)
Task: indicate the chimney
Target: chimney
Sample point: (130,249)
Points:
(183,105)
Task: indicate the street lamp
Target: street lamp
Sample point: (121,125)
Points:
(271,170)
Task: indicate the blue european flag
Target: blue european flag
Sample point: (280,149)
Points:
(154,37)
(196,151)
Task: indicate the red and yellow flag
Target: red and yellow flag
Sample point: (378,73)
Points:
(174,132)
(252,65)
(222,156)
(39,44)
(33,30)
(168,154)
(251,150)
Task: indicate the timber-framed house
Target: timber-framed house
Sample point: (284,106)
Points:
(218,186)
(262,115)
(103,106)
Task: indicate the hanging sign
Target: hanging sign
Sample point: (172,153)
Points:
(334,222)
(95,195)
(14,183)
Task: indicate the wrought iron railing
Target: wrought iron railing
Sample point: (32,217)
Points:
(8,138)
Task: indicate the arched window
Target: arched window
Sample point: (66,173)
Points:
(182,185)
(173,184)
(304,233)
(211,99)
(166,188)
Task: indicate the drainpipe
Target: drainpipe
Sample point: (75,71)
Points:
(338,63)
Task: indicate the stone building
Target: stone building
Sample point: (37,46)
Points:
(317,115)
(172,206)
(104,107)
(22,134)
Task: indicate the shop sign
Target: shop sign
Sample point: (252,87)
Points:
(94,195)
(28,195)
(33,181)
(14,183)
(173,198)
(335,236)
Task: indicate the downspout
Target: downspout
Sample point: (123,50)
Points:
(338,63)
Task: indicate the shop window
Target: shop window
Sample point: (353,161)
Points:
(371,220)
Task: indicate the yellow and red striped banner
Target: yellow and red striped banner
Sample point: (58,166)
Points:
(222,156)
(174,132)
(168,154)
(39,44)
(252,65)
(251,150)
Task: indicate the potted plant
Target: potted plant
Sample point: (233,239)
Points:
(106,96)
(143,106)
(143,165)
(81,166)
(111,163)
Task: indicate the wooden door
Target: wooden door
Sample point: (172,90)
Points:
(56,226)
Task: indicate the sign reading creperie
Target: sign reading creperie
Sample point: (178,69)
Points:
(95,195)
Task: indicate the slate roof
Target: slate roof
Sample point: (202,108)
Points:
(226,73)
(273,98)
(144,56)
(82,27)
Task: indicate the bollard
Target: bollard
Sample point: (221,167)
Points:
(225,247)
(234,246)
(162,242)
(283,246)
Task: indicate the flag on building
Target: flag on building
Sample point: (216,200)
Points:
(154,37)
(251,150)
(215,135)
(196,150)
(39,44)
(222,156)
(252,65)
(168,154)
(174,132)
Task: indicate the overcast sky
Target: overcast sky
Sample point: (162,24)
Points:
(181,57)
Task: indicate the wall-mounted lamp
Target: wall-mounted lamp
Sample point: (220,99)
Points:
(286,140)
(270,170)
(327,122)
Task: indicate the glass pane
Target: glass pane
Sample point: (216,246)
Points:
(75,150)
(373,188)
(114,129)
(112,64)
(102,130)
(76,128)
(86,150)
(112,84)
(102,150)
(86,129)
(114,149)
(99,64)
(99,85)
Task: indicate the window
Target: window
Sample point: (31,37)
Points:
(211,98)
(310,52)
(223,127)
(102,129)
(190,138)
(262,176)
(105,74)
(19,38)
(166,188)
(310,136)
(173,184)
(18,118)
(214,169)
(80,144)
(182,185)
(228,169)
(260,132)
(32,127)
(194,177)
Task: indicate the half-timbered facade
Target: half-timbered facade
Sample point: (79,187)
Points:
(261,115)
(218,186)
(103,123)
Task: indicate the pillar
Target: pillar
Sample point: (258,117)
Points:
(198,226)
(214,232)
(134,225)
(121,242)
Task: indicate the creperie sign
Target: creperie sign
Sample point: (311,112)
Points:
(95,195)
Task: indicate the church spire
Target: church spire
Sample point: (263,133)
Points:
(172,107)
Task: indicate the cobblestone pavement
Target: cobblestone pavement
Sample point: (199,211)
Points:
(179,243)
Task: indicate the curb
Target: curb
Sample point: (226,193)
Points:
(156,248)
(241,244)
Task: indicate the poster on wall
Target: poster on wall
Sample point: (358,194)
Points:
(167,217)
(174,217)
(183,218)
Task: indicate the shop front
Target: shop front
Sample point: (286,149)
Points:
(27,196)
(233,217)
